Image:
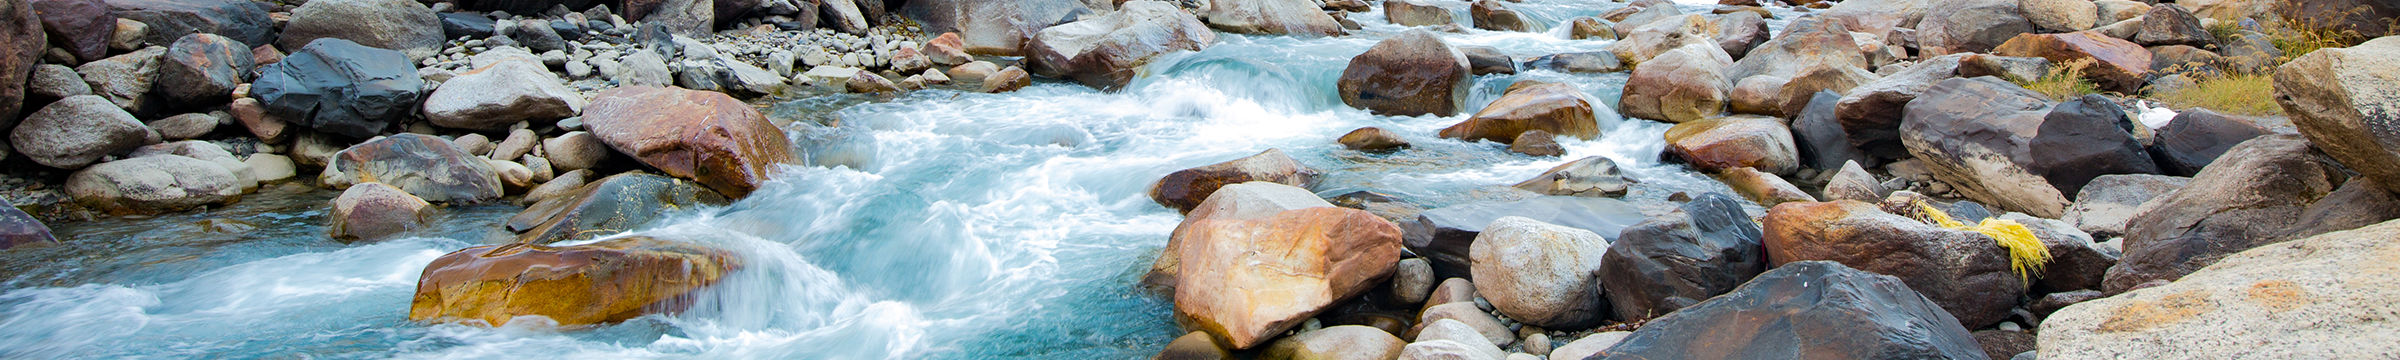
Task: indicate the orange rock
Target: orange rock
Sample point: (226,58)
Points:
(700,135)
(587,284)
(1247,281)
(1556,108)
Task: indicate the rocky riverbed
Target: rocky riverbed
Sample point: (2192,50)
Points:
(1378,179)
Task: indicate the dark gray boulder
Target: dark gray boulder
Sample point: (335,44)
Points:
(340,87)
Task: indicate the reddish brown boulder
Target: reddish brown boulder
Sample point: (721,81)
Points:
(1554,108)
(700,135)
(1411,74)
(1722,143)
(587,284)
(1247,281)
(2117,65)
(1184,190)
(374,211)
(83,27)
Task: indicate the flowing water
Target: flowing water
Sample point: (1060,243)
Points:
(947,225)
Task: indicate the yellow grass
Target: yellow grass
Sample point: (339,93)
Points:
(2026,254)
(2241,94)
(2064,81)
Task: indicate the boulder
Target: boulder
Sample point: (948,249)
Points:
(1372,139)
(707,137)
(339,87)
(1536,143)
(154,185)
(1410,74)
(422,165)
(2367,18)
(1880,17)
(1818,134)
(1761,187)
(20,229)
(1249,280)
(2318,297)
(588,284)
(403,25)
(1805,43)
(2000,144)
(1271,17)
(2084,138)
(167,20)
(1735,141)
(1347,342)
(612,205)
(77,131)
(1496,16)
(1657,38)
(1553,108)
(1808,310)
(82,27)
(373,211)
(1686,84)
(1870,114)
(1739,32)
(1635,17)
(1590,176)
(50,82)
(1415,13)
(1964,26)
(2062,15)
(2076,263)
(503,94)
(992,27)
(1963,271)
(1539,273)
(244,178)
(201,70)
(270,167)
(2105,207)
(2267,190)
(1485,60)
(1666,263)
(1444,236)
(1185,189)
(693,18)
(844,16)
(2169,24)
(2194,139)
(2117,65)
(1107,51)
(1242,201)
(576,150)
(2341,99)
(125,79)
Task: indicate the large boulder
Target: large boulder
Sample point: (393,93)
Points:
(2194,139)
(1249,280)
(77,131)
(2342,100)
(2106,206)
(1686,84)
(1540,273)
(1107,51)
(1445,236)
(1870,114)
(686,17)
(426,166)
(1411,74)
(1554,108)
(612,205)
(201,70)
(2084,138)
(1964,26)
(1185,189)
(1272,17)
(167,20)
(1965,272)
(1740,31)
(1805,43)
(502,94)
(2370,18)
(374,211)
(2267,190)
(1667,263)
(2003,145)
(82,27)
(2323,297)
(244,177)
(404,25)
(1749,141)
(1242,201)
(589,284)
(705,136)
(844,16)
(1806,310)
(2169,24)
(1416,13)
(2117,65)
(153,185)
(992,27)
(1817,132)
(125,79)
(339,87)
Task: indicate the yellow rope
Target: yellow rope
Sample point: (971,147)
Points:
(2026,255)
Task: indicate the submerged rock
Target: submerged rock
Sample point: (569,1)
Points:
(589,284)
(1810,310)
(612,205)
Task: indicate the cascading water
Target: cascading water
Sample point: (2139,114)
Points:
(952,225)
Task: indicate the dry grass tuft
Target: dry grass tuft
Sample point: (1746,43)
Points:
(2241,94)
(2064,81)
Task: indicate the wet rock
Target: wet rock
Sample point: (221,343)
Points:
(1539,273)
(2105,206)
(1643,44)
(1349,342)
(125,79)
(1233,202)
(1854,183)
(992,28)
(425,166)
(2168,24)
(612,205)
(500,95)
(373,211)
(466,25)
(339,87)
(867,82)
(1963,271)
(561,185)
(1443,236)
(1106,51)
(1686,84)
(1870,114)
(201,69)
(947,50)
(603,282)
(2197,137)
(83,27)
(1196,345)
(2341,100)
(1307,259)
(1585,28)
(2117,65)
(77,131)
(1879,317)
(154,185)
(729,148)
(1636,16)
(1963,26)
(1735,141)
(167,20)
(1186,189)
(1007,80)
(1553,108)
(2267,190)
(1670,262)
(1485,60)
(1411,74)
(1578,62)
(2311,298)
(20,229)
(1271,17)
(1496,16)
(514,177)
(403,25)
(1536,143)
(1818,135)
(1372,139)
(1415,13)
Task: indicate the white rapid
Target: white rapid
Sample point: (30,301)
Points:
(958,225)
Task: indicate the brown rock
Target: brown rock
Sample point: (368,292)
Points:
(579,285)
(1372,139)
(2267,190)
(2342,100)
(1411,74)
(1006,80)
(426,166)
(374,211)
(1965,272)
(83,27)
(947,50)
(1536,143)
(1735,141)
(2118,65)
(1761,187)
(1553,108)
(1686,84)
(1249,280)
(708,137)
(1184,190)
(21,44)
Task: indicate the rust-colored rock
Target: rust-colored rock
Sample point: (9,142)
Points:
(1247,281)
(1411,74)
(596,283)
(700,135)
(1963,271)
(373,211)
(2117,65)
(1555,108)
(1184,190)
(1735,141)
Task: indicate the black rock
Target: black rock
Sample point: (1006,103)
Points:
(469,25)
(1806,310)
(567,30)
(1442,235)
(340,87)
(538,36)
(168,20)
(1675,261)
(2084,138)
(1823,144)
(2195,138)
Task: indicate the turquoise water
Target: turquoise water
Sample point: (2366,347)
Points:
(938,224)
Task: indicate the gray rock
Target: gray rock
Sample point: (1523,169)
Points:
(2319,297)
(404,25)
(125,79)
(78,131)
(2104,206)
(153,184)
(1589,176)
(1539,273)
(185,126)
(53,82)
(494,97)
